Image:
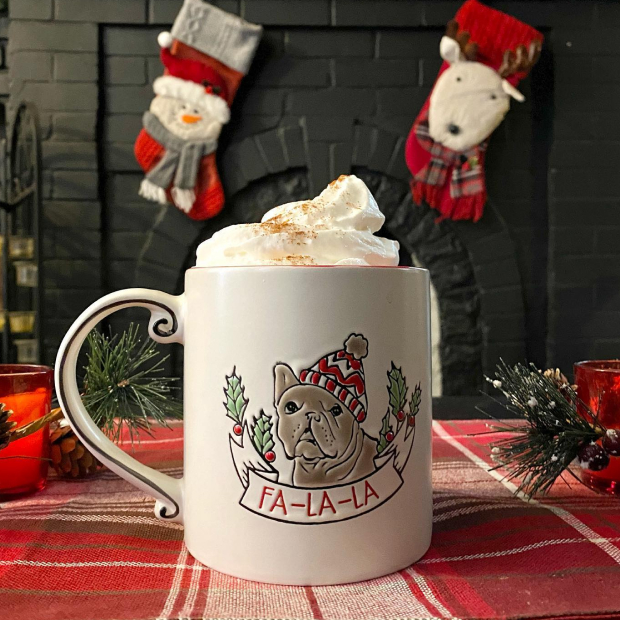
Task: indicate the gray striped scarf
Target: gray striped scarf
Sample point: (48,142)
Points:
(181,158)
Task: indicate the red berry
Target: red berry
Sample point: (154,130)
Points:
(411,420)
(389,436)
(270,456)
(611,442)
(237,430)
(592,456)
(400,415)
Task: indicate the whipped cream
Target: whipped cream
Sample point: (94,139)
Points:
(335,228)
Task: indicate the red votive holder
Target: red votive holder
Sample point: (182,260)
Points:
(27,391)
(598,387)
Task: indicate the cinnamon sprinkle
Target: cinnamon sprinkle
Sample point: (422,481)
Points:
(293,260)
(340,179)
(279,225)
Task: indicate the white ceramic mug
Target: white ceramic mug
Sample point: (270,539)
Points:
(307,455)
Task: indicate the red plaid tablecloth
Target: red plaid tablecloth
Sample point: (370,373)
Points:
(93,550)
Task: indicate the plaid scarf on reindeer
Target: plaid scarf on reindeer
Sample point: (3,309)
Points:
(464,167)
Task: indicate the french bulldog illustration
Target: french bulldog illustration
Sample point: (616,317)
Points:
(318,418)
(309,459)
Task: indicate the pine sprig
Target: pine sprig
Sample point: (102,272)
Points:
(124,386)
(539,451)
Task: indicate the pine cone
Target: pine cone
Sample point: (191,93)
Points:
(6,425)
(558,377)
(70,458)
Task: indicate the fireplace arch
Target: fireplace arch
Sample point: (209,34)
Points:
(274,167)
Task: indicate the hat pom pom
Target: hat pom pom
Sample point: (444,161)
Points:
(164,39)
(357,346)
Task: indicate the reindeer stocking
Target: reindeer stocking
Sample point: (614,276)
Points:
(445,149)
(205,56)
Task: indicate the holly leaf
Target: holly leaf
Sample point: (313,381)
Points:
(262,434)
(385,428)
(236,402)
(397,389)
(416,399)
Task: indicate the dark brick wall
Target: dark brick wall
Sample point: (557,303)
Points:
(4,73)
(584,267)
(546,243)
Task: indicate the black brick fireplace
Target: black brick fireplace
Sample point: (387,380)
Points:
(334,89)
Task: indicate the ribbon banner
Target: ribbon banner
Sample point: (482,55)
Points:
(321,505)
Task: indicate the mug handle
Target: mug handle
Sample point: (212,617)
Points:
(165,325)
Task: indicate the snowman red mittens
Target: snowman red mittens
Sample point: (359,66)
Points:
(205,57)
(446,146)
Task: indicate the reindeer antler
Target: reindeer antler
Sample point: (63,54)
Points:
(522,61)
(468,48)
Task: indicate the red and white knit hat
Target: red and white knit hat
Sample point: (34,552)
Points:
(342,374)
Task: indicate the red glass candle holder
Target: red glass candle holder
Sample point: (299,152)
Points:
(27,391)
(598,387)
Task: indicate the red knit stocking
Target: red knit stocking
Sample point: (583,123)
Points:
(494,33)
(205,56)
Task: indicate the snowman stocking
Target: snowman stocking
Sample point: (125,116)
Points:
(205,56)
(485,54)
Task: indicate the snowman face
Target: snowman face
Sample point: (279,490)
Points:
(185,120)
